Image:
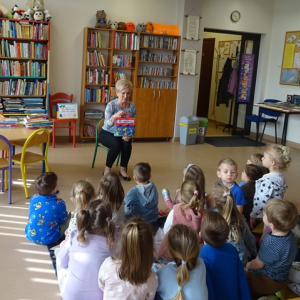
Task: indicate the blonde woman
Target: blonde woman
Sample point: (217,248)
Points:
(115,109)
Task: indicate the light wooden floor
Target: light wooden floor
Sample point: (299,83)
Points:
(26,270)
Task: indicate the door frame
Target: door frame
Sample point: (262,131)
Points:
(256,45)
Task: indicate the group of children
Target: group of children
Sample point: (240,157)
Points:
(205,247)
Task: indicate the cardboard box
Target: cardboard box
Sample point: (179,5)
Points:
(67,111)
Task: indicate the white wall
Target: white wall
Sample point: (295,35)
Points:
(286,18)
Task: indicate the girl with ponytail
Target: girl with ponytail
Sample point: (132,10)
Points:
(185,277)
(128,275)
(221,200)
(79,260)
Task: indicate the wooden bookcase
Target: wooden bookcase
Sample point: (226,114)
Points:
(24,57)
(150,61)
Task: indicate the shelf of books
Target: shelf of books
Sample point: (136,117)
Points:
(108,55)
(24,61)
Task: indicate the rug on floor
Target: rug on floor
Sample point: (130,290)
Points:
(231,141)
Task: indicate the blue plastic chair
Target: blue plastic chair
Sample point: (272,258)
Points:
(5,164)
(262,119)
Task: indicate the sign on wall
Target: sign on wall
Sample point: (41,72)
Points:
(245,81)
(290,68)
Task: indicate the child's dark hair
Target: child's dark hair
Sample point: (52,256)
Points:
(97,219)
(111,190)
(214,229)
(46,183)
(135,251)
(282,214)
(142,171)
(191,196)
(195,173)
(222,199)
(183,246)
(83,193)
(253,172)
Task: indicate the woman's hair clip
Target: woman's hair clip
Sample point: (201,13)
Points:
(195,192)
(134,223)
(179,288)
(226,194)
(80,191)
(108,219)
(183,262)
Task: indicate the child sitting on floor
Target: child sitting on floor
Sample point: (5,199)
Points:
(225,274)
(142,200)
(111,190)
(227,172)
(240,236)
(185,277)
(268,272)
(272,185)
(48,217)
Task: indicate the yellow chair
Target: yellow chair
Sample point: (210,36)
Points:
(98,144)
(39,137)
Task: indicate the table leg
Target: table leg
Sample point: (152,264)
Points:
(284,130)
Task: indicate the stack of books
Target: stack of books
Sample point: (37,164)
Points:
(93,114)
(8,123)
(33,105)
(89,130)
(13,105)
(36,121)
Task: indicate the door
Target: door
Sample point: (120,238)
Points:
(250,45)
(205,76)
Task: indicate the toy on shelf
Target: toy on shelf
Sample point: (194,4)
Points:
(36,11)
(149,27)
(121,26)
(130,26)
(101,21)
(113,24)
(17,13)
(140,27)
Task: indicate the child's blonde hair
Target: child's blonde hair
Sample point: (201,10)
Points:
(192,196)
(227,161)
(255,159)
(223,200)
(135,251)
(111,190)
(281,154)
(83,193)
(183,246)
(282,214)
(97,219)
(195,173)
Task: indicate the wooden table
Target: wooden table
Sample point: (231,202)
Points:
(287,111)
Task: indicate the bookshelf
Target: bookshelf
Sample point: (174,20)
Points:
(24,60)
(108,55)
(156,89)
(150,61)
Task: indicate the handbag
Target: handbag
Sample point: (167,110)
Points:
(124,126)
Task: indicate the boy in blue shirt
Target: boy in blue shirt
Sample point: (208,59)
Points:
(227,172)
(225,275)
(268,273)
(142,200)
(48,216)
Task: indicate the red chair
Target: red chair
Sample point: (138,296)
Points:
(53,101)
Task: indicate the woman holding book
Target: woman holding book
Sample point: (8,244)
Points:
(116,109)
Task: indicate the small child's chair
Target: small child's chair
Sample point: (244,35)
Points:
(5,164)
(53,101)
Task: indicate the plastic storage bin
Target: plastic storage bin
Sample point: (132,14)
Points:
(203,123)
(188,129)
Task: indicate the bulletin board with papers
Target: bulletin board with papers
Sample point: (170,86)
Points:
(290,68)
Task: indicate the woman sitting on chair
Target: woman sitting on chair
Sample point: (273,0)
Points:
(115,109)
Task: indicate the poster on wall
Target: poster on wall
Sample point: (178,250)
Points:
(192,28)
(189,62)
(290,68)
(245,82)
